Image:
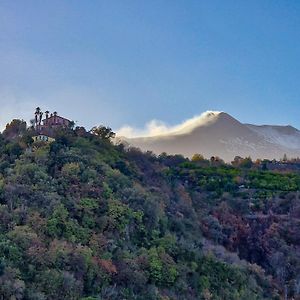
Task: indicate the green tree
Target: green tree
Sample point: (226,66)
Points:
(103,132)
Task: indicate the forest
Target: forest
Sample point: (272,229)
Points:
(85,218)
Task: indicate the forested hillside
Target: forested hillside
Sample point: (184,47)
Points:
(81,218)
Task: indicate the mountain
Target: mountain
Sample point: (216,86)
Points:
(82,218)
(219,134)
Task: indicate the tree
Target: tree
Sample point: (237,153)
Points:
(80,131)
(103,132)
(27,140)
(71,125)
(285,158)
(11,286)
(15,128)
(197,157)
(246,163)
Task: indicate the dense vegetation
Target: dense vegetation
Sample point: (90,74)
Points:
(81,218)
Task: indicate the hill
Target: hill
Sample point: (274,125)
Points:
(81,218)
(219,134)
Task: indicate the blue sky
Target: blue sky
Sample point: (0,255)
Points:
(129,62)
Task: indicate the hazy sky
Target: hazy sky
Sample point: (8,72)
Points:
(129,62)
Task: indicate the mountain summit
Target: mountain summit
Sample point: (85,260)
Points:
(219,134)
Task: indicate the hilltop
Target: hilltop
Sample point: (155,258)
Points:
(82,218)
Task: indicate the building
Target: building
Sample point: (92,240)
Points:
(43,138)
(55,121)
(45,128)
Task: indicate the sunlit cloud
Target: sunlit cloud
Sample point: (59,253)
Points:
(156,127)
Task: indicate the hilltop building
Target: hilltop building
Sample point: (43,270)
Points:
(45,128)
(55,121)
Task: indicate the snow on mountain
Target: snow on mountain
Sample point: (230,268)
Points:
(286,136)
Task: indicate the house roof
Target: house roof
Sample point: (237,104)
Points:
(52,117)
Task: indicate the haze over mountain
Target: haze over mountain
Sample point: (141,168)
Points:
(218,134)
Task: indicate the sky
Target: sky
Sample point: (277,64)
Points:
(129,62)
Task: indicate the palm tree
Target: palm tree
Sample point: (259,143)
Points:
(37,113)
(55,115)
(36,117)
(47,116)
(40,119)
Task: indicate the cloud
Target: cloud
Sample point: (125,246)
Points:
(157,128)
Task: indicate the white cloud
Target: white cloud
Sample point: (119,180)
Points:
(156,127)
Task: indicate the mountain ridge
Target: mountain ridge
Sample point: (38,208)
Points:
(220,134)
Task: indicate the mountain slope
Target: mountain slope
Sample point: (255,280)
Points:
(286,136)
(219,134)
(83,219)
